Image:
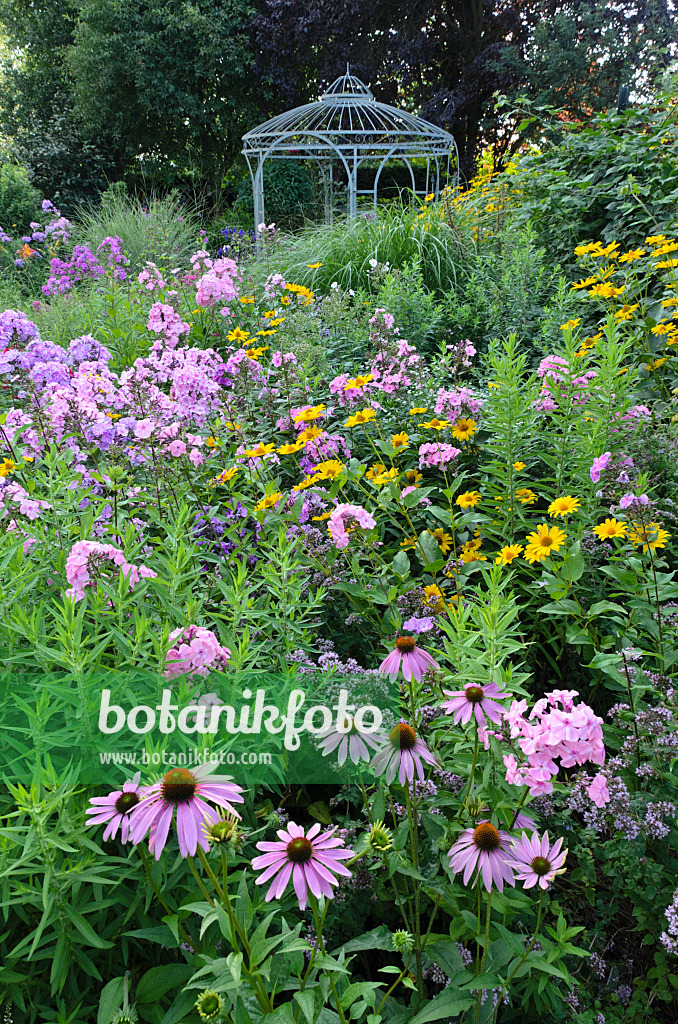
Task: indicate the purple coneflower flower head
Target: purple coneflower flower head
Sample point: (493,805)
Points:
(353,743)
(484,847)
(115,809)
(535,861)
(415,660)
(402,754)
(184,790)
(475,700)
(312,861)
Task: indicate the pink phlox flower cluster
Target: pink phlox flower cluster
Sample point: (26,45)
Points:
(87,349)
(343,518)
(151,278)
(554,379)
(436,455)
(573,734)
(599,465)
(273,283)
(195,651)
(164,320)
(22,501)
(218,285)
(461,355)
(345,395)
(87,557)
(598,791)
(633,501)
(279,359)
(452,405)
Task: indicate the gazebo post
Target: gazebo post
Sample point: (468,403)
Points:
(353,188)
(259,212)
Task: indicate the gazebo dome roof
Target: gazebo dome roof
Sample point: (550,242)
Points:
(347,117)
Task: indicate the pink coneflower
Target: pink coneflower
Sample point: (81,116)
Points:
(475,700)
(535,861)
(402,754)
(115,809)
(486,848)
(311,861)
(183,789)
(354,743)
(415,660)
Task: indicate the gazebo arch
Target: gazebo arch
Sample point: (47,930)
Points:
(347,124)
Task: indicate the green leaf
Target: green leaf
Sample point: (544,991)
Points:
(320,811)
(159,980)
(446,1005)
(378,938)
(310,1001)
(110,999)
(401,564)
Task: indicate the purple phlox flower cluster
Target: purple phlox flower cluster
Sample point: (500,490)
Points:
(16,330)
(572,734)
(452,405)
(117,261)
(195,651)
(434,454)
(87,349)
(633,501)
(391,369)
(669,938)
(64,274)
(616,808)
(87,559)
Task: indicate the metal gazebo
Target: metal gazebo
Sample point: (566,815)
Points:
(348,125)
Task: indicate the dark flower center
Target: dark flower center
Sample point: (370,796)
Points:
(546,542)
(541,866)
(125,802)
(178,786)
(486,837)
(406,643)
(403,736)
(474,694)
(300,850)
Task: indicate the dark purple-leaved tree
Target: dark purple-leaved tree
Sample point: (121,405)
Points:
(446,58)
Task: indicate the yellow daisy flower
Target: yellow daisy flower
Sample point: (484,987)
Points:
(526,496)
(544,542)
(518,466)
(508,553)
(463,429)
(7,466)
(444,540)
(329,470)
(435,424)
(358,382)
(433,598)
(227,475)
(309,434)
(400,440)
(610,528)
(289,449)
(564,506)
(651,536)
(308,415)
(268,502)
(313,266)
(413,476)
(259,450)
(469,499)
(360,417)
(247,300)
(237,334)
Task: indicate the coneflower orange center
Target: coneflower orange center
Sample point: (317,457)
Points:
(486,837)
(125,802)
(300,850)
(541,866)
(403,736)
(178,786)
(474,694)
(406,644)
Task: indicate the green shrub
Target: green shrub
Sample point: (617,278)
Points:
(396,235)
(162,230)
(19,200)
(289,196)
